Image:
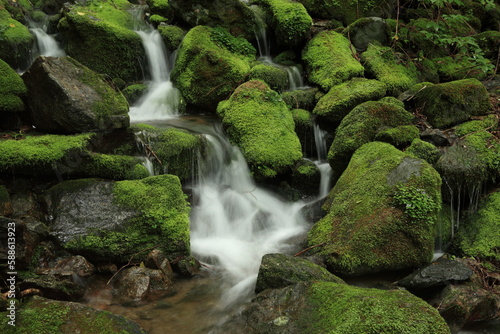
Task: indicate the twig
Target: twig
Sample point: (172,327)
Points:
(308,248)
(153,153)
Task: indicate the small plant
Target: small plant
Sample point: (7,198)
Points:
(239,45)
(416,202)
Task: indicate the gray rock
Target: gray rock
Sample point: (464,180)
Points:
(438,273)
(70,266)
(54,287)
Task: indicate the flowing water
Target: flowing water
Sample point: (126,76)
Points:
(46,45)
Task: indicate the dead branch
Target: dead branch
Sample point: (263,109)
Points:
(309,248)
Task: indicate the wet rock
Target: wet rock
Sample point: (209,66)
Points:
(280,270)
(55,287)
(139,283)
(157,260)
(306,177)
(41,315)
(186,266)
(5,202)
(366,30)
(441,272)
(69,266)
(67,97)
(436,137)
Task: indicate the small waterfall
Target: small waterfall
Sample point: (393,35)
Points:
(235,222)
(46,45)
(295,78)
(161,100)
(322,163)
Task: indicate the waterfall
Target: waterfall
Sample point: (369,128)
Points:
(46,45)
(161,100)
(235,222)
(295,77)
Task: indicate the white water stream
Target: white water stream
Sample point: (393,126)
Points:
(46,45)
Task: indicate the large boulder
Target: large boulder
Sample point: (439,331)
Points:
(326,307)
(258,121)
(329,60)
(280,270)
(210,64)
(101,37)
(289,20)
(12,92)
(233,15)
(114,220)
(361,126)
(381,215)
(67,97)
(41,315)
(450,103)
(15,41)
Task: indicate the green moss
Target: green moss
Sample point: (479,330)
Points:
(302,98)
(238,45)
(360,126)
(290,20)
(204,72)
(274,76)
(346,11)
(487,147)
(15,40)
(113,167)
(156,20)
(480,235)
(259,122)
(424,150)
(457,68)
(172,36)
(344,309)
(286,58)
(160,7)
(365,229)
(489,122)
(329,60)
(48,319)
(39,152)
(342,98)
(133,92)
(381,62)
(399,136)
(12,89)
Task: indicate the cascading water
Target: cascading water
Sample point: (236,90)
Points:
(322,163)
(161,100)
(46,45)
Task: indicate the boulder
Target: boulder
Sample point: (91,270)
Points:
(400,136)
(172,36)
(101,38)
(12,90)
(327,307)
(68,266)
(361,126)
(306,178)
(258,121)
(341,99)
(41,315)
(449,103)
(15,41)
(329,60)
(112,221)
(280,270)
(439,273)
(381,214)
(67,97)
(366,30)
(55,287)
(139,283)
(275,76)
(210,64)
(424,150)
(302,98)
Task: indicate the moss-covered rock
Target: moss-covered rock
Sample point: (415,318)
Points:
(399,136)
(424,150)
(306,178)
(276,77)
(45,316)
(366,30)
(456,68)
(449,103)
(141,214)
(381,62)
(12,89)
(172,36)
(15,41)
(329,60)
(99,36)
(210,64)
(258,121)
(134,92)
(112,167)
(290,21)
(340,99)
(302,98)
(161,8)
(304,128)
(327,307)
(361,125)
(171,151)
(67,97)
(381,213)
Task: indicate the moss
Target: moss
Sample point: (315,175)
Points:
(259,122)
(424,150)
(306,177)
(337,103)
(99,36)
(301,98)
(487,147)
(162,221)
(160,7)
(286,58)
(12,89)
(399,136)
(113,167)
(480,235)
(381,62)
(450,103)
(329,60)
(205,72)
(343,309)
(134,92)
(365,229)
(172,36)
(238,45)
(274,76)
(489,122)
(361,125)
(15,40)
(290,20)
(156,20)
(420,42)
(450,68)
(39,153)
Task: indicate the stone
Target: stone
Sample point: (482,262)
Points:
(69,266)
(139,283)
(55,287)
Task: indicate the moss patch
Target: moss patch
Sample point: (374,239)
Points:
(399,136)
(274,76)
(259,122)
(15,40)
(329,60)
(172,36)
(112,167)
(424,150)
(12,89)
